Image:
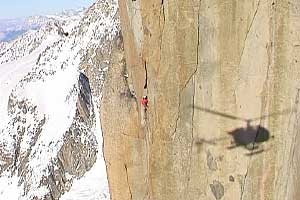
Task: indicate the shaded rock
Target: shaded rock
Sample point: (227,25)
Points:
(76,156)
(217,189)
(211,162)
(231,178)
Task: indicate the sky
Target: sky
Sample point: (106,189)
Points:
(23,8)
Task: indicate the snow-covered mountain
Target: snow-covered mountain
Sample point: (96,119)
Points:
(50,84)
(11,29)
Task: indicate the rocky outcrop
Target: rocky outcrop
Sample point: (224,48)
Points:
(51,91)
(76,155)
(79,151)
(104,22)
(222,79)
(123,143)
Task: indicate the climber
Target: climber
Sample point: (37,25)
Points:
(145,102)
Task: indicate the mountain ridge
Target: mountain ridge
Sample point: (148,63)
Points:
(10,29)
(49,126)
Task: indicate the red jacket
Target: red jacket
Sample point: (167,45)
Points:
(145,102)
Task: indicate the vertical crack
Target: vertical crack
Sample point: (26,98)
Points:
(177,118)
(253,146)
(163,10)
(126,171)
(247,33)
(163,26)
(198,39)
(192,137)
(179,102)
(295,133)
(244,183)
(146,75)
(148,139)
(193,99)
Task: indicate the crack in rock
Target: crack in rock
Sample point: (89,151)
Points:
(246,37)
(126,171)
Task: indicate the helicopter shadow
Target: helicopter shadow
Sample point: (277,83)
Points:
(249,137)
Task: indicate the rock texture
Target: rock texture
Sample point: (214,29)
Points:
(222,78)
(51,87)
(76,156)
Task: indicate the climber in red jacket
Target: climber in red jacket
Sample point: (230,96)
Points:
(145,102)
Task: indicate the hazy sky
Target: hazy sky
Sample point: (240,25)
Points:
(21,8)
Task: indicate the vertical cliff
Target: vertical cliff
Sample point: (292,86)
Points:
(222,78)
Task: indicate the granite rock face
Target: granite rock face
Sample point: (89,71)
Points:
(222,79)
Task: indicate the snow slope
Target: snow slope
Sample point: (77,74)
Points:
(11,73)
(39,93)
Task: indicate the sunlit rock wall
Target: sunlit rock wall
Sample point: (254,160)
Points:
(222,80)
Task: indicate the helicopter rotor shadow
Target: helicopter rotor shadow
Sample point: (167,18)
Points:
(249,137)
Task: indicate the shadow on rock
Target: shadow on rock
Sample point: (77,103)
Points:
(249,137)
